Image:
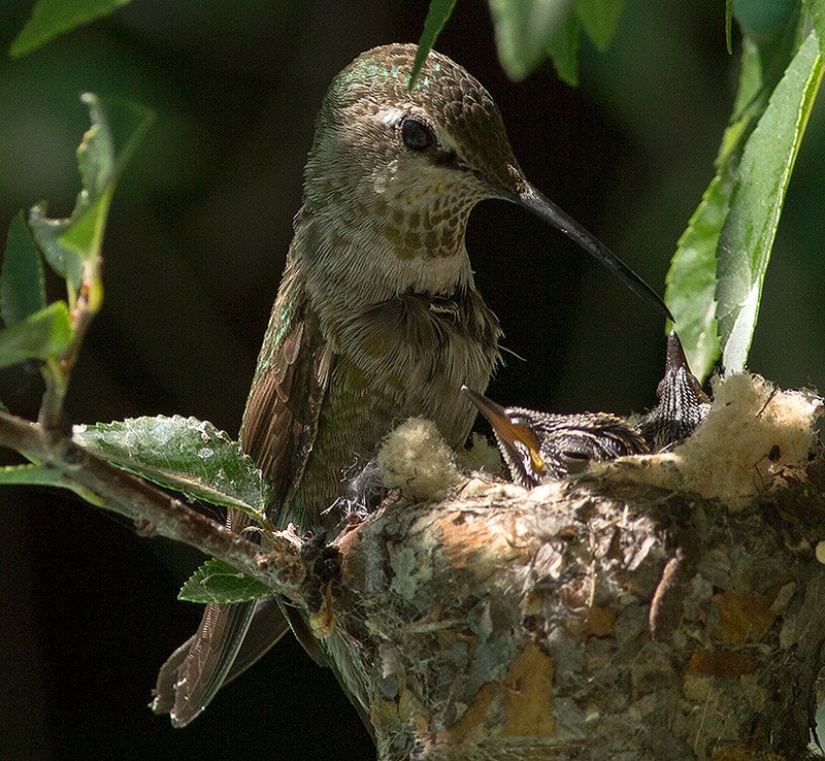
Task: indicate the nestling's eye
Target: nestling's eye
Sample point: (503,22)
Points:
(416,135)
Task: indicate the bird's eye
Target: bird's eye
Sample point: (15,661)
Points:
(416,135)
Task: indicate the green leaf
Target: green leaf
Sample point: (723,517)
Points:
(22,288)
(53,17)
(563,47)
(756,202)
(40,475)
(216,581)
(691,280)
(528,31)
(72,243)
(31,475)
(816,10)
(84,236)
(525,29)
(46,333)
(46,232)
(117,127)
(764,18)
(437,16)
(184,454)
(600,19)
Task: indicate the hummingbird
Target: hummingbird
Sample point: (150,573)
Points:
(539,447)
(377,317)
(682,406)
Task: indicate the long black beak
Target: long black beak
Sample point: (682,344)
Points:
(537,203)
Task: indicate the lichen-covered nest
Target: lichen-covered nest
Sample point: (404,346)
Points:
(666,607)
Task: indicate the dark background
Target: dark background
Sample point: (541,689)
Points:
(194,250)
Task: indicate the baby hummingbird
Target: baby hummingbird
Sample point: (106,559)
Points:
(539,446)
(682,406)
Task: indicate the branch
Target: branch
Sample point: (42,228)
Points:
(281,566)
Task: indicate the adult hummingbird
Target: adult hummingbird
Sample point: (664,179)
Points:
(377,317)
(538,447)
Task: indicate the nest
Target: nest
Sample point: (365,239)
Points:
(666,607)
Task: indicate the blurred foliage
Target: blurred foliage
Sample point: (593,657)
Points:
(53,17)
(72,247)
(528,31)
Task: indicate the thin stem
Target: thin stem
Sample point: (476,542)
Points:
(51,408)
(57,371)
